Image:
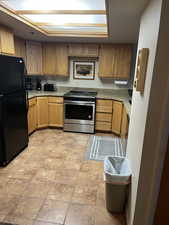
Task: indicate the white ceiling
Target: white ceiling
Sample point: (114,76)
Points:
(124,18)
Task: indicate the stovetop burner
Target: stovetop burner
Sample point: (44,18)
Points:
(79,93)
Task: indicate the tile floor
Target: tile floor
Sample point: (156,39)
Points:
(50,183)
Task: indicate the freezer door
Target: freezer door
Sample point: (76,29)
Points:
(15,129)
(11,74)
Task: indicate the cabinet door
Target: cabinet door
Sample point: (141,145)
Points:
(84,50)
(121,61)
(20,48)
(55,59)
(62,59)
(124,124)
(49,58)
(105,61)
(115,61)
(34,57)
(32,116)
(55,115)
(105,106)
(42,112)
(117,117)
(6,41)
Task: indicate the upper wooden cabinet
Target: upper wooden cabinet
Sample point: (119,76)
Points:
(34,57)
(55,59)
(20,48)
(6,41)
(84,50)
(115,61)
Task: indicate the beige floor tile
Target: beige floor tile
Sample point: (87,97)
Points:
(101,196)
(37,190)
(102,216)
(7,204)
(66,176)
(18,220)
(85,194)
(27,208)
(86,178)
(80,215)
(44,175)
(53,211)
(61,192)
(53,163)
(71,164)
(44,223)
(16,186)
(22,173)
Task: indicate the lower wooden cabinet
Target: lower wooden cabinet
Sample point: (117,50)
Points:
(42,112)
(55,107)
(32,116)
(124,124)
(45,112)
(104,109)
(117,117)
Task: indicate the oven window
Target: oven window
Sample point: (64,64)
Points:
(78,112)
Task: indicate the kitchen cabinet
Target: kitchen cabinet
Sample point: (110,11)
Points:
(32,116)
(55,59)
(34,57)
(42,112)
(104,115)
(105,106)
(6,41)
(124,124)
(84,50)
(115,61)
(55,106)
(117,117)
(20,48)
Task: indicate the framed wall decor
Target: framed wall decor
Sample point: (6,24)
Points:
(84,70)
(141,69)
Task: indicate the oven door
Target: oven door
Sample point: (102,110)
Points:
(79,112)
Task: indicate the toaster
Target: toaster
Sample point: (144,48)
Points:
(49,87)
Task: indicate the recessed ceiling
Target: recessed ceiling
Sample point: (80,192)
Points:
(62,17)
(123,23)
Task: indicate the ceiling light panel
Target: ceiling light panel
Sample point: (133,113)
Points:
(80,29)
(55,4)
(61,19)
(83,16)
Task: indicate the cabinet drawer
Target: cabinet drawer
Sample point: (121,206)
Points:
(32,101)
(104,106)
(55,99)
(104,117)
(103,126)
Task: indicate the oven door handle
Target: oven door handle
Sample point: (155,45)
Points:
(79,103)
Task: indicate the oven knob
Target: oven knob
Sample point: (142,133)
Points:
(89,116)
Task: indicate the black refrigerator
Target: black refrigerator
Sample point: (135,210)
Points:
(13,108)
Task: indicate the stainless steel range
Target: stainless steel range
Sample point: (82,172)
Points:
(79,111)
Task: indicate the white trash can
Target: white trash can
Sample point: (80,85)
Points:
(117,176)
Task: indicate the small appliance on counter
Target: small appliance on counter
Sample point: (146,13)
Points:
(49,87)
(38,85)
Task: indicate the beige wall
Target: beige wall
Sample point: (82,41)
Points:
(148,38)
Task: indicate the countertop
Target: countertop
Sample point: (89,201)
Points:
(119,95)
